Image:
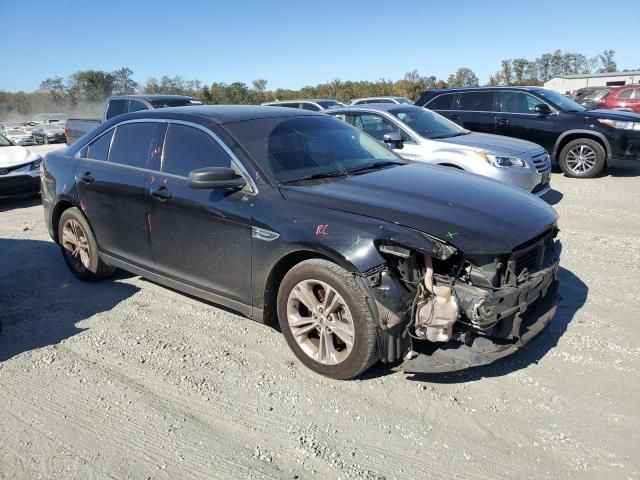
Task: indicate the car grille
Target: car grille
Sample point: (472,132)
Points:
(542,162)
(15,167)
(19,184)
(533,255)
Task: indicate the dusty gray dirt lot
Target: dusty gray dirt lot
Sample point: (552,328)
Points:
(127,379)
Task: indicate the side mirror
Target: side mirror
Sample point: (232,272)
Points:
(542,109)
(211,178)
(393,139)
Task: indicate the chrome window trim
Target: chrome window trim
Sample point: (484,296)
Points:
(553,110)
(234,159)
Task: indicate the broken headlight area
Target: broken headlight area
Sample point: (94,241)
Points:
(482,304)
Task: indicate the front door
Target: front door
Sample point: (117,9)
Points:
(199,237)
(517,118)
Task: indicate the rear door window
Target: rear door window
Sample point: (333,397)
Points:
(442,102)
(131,144)
(476,101)
(116,107)
(99,148)
(636,93)
(188,148)
(310,106)
(625,93)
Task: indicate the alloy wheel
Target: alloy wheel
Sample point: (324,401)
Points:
(320,322)
(76,245)
(581,159)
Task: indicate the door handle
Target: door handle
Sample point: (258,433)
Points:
(161,193)
(503,121)
(86,177)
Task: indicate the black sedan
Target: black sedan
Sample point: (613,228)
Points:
(295,217)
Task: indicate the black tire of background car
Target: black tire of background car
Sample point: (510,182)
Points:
(595,146)
(98,270)
(365,351)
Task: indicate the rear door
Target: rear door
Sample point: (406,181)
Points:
(476,111)
(446,105)
(517,118)
(111,187)
(199,237)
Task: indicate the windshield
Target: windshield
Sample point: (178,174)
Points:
(560,101)
(176,102)
(428,124)
(4,142)
(300,148)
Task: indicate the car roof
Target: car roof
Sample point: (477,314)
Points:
(381,107)
(220,114)
(315,100)
(464,89)
(152,98)
(378,96)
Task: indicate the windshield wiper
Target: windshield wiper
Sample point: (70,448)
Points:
(313,176)
(373,166)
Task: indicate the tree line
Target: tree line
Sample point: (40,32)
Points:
(85,91)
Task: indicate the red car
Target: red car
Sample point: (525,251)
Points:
(625,98)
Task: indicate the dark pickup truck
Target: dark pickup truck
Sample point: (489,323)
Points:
(117,105)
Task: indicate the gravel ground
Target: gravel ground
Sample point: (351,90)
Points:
(127,379)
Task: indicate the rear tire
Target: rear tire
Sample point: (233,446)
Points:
(79,247)
(582,158)
(326,321)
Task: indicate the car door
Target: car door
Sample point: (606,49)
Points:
(378,126)
(517,118)
(446,105)
(111,188)
(476,111)
(199,237)
(634,100)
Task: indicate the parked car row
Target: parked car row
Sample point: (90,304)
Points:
(301,218)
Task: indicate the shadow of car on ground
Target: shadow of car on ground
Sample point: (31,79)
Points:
(41,301)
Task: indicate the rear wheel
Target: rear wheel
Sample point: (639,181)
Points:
(582,158)
(326,321)
(79,247)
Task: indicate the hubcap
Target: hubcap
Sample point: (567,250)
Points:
(76,245)
(320,322)
(581,159)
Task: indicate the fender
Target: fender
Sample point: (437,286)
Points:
(600,136)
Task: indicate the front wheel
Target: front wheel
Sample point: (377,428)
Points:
(326,321)
(582,158)
(79,247)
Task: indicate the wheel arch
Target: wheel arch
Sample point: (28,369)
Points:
(58,210)
(280,269)
(571,135)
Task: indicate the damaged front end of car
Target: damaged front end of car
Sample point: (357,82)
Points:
(443,310)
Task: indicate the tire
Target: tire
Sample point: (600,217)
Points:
(582,158)
(348,318)
(85,263)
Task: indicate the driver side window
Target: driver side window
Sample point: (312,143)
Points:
(519,102)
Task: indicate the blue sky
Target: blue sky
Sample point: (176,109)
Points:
(297,43)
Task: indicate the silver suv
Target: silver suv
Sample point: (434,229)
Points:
(419,134)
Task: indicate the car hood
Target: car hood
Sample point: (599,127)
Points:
(16,155)
(475,214)
(496,144)
(609,115)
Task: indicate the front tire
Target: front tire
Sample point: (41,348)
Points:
(79,247)
(326,321)
(582,158)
